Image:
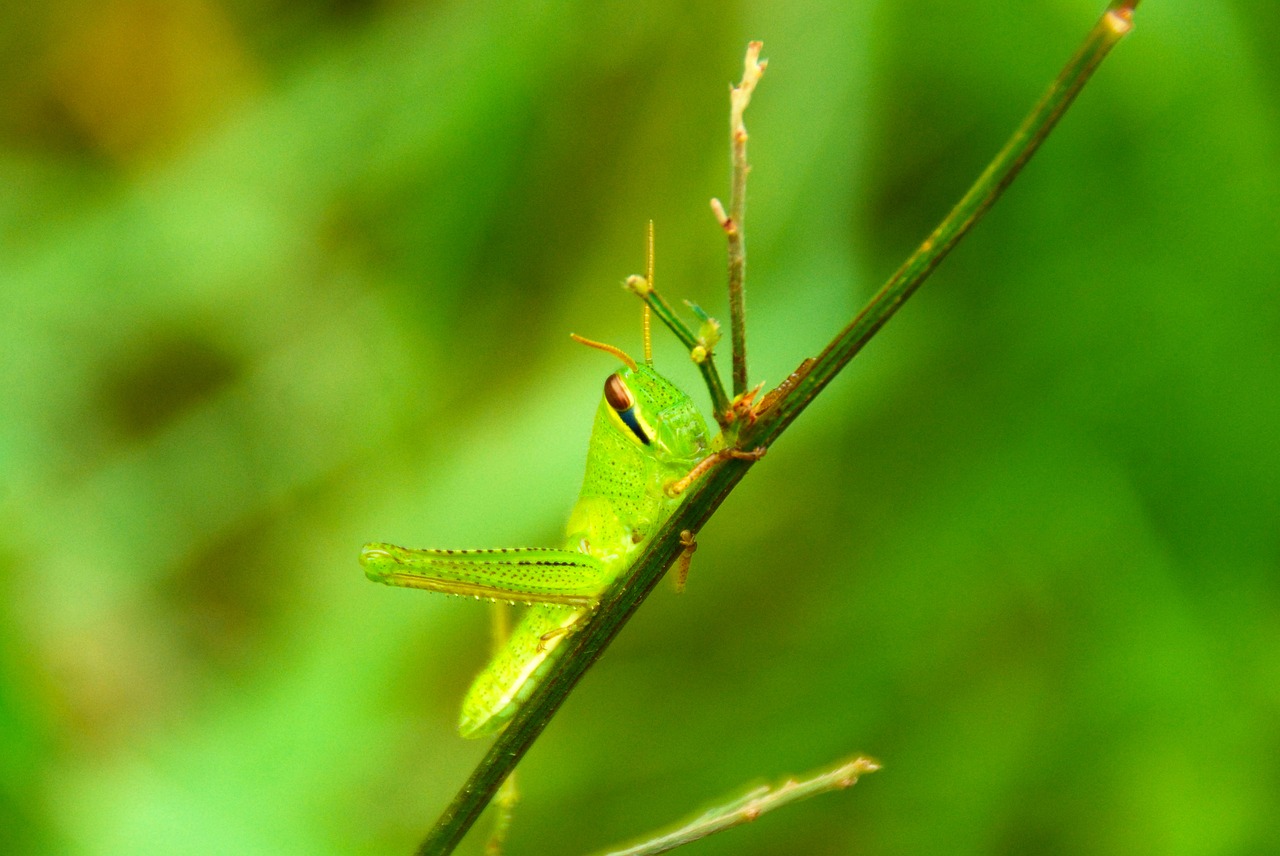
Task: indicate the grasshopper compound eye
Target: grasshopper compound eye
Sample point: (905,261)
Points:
(624,404)
(617,394)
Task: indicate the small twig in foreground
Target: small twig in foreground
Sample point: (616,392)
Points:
(747,808)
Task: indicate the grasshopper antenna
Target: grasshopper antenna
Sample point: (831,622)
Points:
(648,344)
(608,349)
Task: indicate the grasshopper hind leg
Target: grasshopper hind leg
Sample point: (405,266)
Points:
(560,586)
(535,575)
(516,670)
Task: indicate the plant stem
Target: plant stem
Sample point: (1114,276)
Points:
(777,410)
(734,222)
(747,808)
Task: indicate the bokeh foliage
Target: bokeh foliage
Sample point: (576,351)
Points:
(279,279)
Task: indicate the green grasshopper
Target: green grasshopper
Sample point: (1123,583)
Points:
(648,444)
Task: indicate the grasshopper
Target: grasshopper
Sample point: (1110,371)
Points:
(648,443)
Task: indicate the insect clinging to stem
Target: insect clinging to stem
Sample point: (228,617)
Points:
(648,443)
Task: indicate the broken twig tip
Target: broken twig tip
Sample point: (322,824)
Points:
(637,284)
(865,765)
(717,208)
(1120,19)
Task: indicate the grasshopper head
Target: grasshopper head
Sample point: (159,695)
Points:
(650,410)
(653,412)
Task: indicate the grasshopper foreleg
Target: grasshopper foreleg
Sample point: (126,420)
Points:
(679,486)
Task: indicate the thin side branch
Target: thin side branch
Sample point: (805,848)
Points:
(747,808)
(699,347)
(733,222)
(776,411)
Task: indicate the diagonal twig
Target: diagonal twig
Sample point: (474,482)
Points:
(776,412)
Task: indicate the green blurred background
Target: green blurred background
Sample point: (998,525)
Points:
(281,278)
